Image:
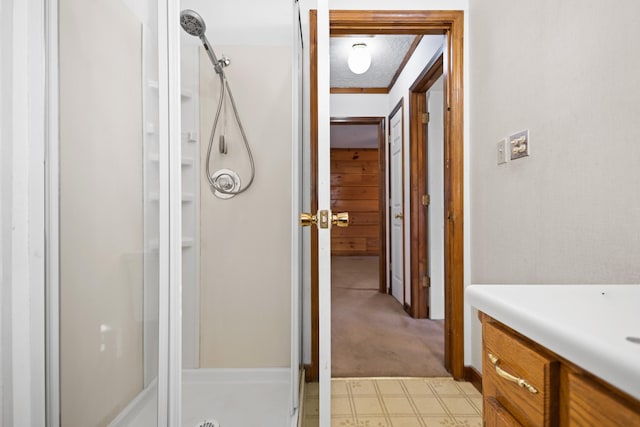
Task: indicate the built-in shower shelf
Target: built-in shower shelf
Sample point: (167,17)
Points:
(186,197)
(184,94)
(187,242)
(186,161)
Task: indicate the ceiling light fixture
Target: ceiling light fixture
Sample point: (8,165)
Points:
(359,58)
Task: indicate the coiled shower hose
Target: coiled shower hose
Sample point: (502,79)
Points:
(224,89)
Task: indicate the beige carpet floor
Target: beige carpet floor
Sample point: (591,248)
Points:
(372,336)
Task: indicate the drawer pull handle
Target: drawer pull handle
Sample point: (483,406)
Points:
(507,376)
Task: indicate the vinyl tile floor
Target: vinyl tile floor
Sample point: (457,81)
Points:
(397,402)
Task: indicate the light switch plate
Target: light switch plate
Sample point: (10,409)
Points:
(519,145)
(501,151)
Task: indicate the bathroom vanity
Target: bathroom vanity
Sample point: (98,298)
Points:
(559,355)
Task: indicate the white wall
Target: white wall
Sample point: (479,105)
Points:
(358,105)
(569,213)
(244,23)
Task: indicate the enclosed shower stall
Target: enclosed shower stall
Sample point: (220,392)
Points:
(173,246)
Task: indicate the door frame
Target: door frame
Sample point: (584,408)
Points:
(382,192)
(449,23)
(398,108)
(419,256)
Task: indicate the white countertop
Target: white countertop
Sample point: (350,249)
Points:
(586,324)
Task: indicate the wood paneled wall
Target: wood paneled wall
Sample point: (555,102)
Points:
(355,189)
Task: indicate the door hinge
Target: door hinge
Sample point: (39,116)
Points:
(426,282)
(426,200)
(425,118)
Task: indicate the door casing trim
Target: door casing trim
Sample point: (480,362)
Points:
(451,25)
(419,253)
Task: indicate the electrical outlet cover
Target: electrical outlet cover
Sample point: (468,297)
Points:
(519,145)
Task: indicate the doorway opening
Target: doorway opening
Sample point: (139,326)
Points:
(358,187)
(450,25)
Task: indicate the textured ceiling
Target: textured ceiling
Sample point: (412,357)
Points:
(387,53)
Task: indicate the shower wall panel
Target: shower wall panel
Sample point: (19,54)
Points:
(189,56)
(245,259)
(101,210)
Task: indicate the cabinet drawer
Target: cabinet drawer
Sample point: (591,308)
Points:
(497,416)
(507,358)
(592,405)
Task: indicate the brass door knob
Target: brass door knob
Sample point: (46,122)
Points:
(399,216)
(340,219)
(307,219)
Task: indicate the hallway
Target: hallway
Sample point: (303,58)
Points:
(372,336)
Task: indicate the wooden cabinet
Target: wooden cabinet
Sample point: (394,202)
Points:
(497,415)
(524,384)
(593,405)
(518,376)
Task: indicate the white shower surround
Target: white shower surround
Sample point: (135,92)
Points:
(221,395)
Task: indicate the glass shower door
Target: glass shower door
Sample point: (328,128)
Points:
(108,209)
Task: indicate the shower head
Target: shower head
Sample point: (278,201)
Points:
(192,23)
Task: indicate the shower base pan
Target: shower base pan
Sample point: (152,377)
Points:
(231,397)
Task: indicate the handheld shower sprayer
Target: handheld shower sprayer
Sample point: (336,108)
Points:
(223,183)
(193,24)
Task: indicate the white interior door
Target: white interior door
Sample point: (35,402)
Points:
(397,208)
(324,203)
(435,183)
